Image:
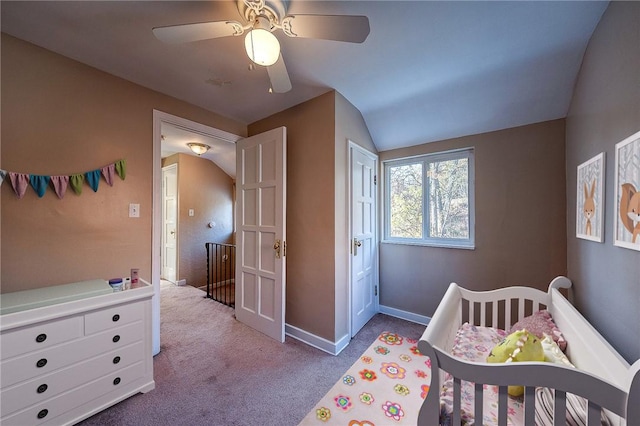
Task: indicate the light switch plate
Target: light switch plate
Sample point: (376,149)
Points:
(191,212)
(134,210)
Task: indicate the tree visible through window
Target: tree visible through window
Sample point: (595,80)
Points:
(406,200)
(448,198)
(429,199)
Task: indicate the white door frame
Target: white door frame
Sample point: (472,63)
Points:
(352,145)
(159,118)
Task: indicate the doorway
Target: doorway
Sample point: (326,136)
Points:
(160,120)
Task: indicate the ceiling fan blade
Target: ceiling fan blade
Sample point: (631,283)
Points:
(200,31)
(353,29)
(279,76)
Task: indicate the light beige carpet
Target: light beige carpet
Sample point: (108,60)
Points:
(213,370)
(385,386)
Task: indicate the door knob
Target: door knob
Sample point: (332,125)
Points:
(276,247)
(356,244)
(173,232)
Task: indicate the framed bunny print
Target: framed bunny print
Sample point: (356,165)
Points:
(590,199)
(627,194)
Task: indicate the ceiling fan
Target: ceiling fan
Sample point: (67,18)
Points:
(263,17)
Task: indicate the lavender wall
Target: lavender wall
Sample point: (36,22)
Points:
(520,221)
(605,110)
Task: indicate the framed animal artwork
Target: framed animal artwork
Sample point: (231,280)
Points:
(590,199)
(627,193)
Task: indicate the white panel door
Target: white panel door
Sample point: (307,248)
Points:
(364,247)
(169,222)
(261,232)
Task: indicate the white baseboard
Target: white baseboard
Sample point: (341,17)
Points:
(333,348)
(409,316)
(181,282)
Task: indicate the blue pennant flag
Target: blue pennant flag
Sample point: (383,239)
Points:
(39,184)
(93,179)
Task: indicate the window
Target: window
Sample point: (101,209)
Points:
(429,199)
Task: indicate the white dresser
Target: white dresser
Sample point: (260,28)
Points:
(70,351)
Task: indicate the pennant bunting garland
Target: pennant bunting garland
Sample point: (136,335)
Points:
(60,184)
(19,181)
(108,172)
(93,179)
(39,184)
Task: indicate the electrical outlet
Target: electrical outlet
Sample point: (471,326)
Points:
(134,210)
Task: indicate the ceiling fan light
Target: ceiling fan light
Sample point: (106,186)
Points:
(262,47)
(198,148)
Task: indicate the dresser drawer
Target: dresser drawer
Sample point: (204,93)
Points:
(40,336)
(46,411)
(45,387)
(113,317)
(26,367)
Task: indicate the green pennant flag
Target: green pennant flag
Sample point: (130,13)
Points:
(76,182)
(121,168)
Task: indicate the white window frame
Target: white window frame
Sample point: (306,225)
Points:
(426,240)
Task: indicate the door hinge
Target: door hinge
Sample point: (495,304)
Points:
(284,248)
(375,179)
(375,290)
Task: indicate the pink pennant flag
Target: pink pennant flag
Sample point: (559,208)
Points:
(20,182)
(60,184)
(108,172)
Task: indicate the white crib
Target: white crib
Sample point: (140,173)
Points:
(601,376)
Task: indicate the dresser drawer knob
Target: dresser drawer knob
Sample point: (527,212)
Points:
(43,413)
(41,363)
(116,381)
(42,388)
(116,318)
(41,338)
(116,360)
(116,338)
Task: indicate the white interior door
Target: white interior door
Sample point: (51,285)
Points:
(261,232)
(364,247)
(169,220)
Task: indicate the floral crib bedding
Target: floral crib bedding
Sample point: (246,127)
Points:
(473,343)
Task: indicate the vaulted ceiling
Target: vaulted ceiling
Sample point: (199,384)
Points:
(427,71)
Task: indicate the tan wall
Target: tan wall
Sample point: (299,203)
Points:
(605,109)
(520,229)
(62,117)
(205,188)
(350,126)
(310,127)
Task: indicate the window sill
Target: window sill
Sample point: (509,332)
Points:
(431,244)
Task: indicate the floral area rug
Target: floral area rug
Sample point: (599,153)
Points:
(385,386)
